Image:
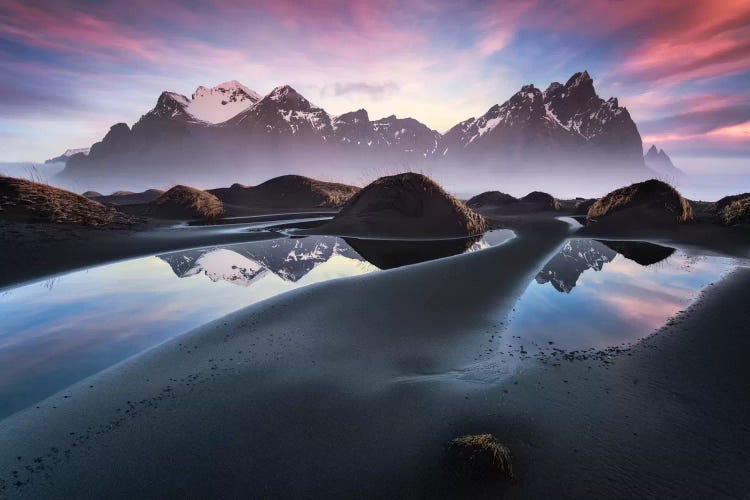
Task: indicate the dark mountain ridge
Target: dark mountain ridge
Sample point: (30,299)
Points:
(566,129)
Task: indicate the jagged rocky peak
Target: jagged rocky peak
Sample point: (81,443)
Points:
(353,117)
(526,104)
(353,120)
(655,154)
(116,131)
(576,96)
(353,127)
(566,118)
(170,105)
(407,133)
(581,84)
(285,96)
(660,162)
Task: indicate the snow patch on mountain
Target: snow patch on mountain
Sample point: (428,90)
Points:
(220,103)
(226,265)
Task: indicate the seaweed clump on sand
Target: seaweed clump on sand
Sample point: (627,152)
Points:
(184,202)
(480,456)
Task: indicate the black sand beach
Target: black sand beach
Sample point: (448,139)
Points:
(352,388)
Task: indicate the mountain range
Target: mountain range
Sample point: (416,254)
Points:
(229,133)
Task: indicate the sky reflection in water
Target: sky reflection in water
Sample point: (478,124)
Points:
(590,295)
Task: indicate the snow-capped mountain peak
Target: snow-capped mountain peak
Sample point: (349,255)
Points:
(288,98)
(67,154)
(75,151)
(222,102)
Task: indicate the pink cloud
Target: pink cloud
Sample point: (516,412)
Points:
(679,40)
(669,40)
(350,29)
(70,30)
(738,134)
(499,23)
(662,101)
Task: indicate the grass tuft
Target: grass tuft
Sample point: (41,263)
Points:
(481,456)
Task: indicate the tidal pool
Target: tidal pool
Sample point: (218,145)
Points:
(595,295)
(57,332)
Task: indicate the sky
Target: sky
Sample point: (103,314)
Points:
(69,69)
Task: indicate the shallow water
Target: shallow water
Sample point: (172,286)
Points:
(55,333)
(594,296)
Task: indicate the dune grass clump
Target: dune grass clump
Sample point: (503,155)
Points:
(325,194)
(490,198)
(653,195)
(735,212)
(582,206)
(393,203)
(288,191)
(184,201)
(30,201)
(481,456)
(545,200)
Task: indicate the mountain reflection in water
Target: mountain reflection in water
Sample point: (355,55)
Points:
(53,336)
(614,292)
(292,258)
(580,255)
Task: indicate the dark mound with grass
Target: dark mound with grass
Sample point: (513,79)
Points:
(27,201)
(92,194)
(287,192)
(737,212)
(651,203)
(130,198)
(582,206)
(728,200)
(734,209)
(405,206)
(184,202)
(491,199)
(480,456)
(541,201)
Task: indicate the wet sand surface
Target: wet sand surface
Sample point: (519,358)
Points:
(349,389)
